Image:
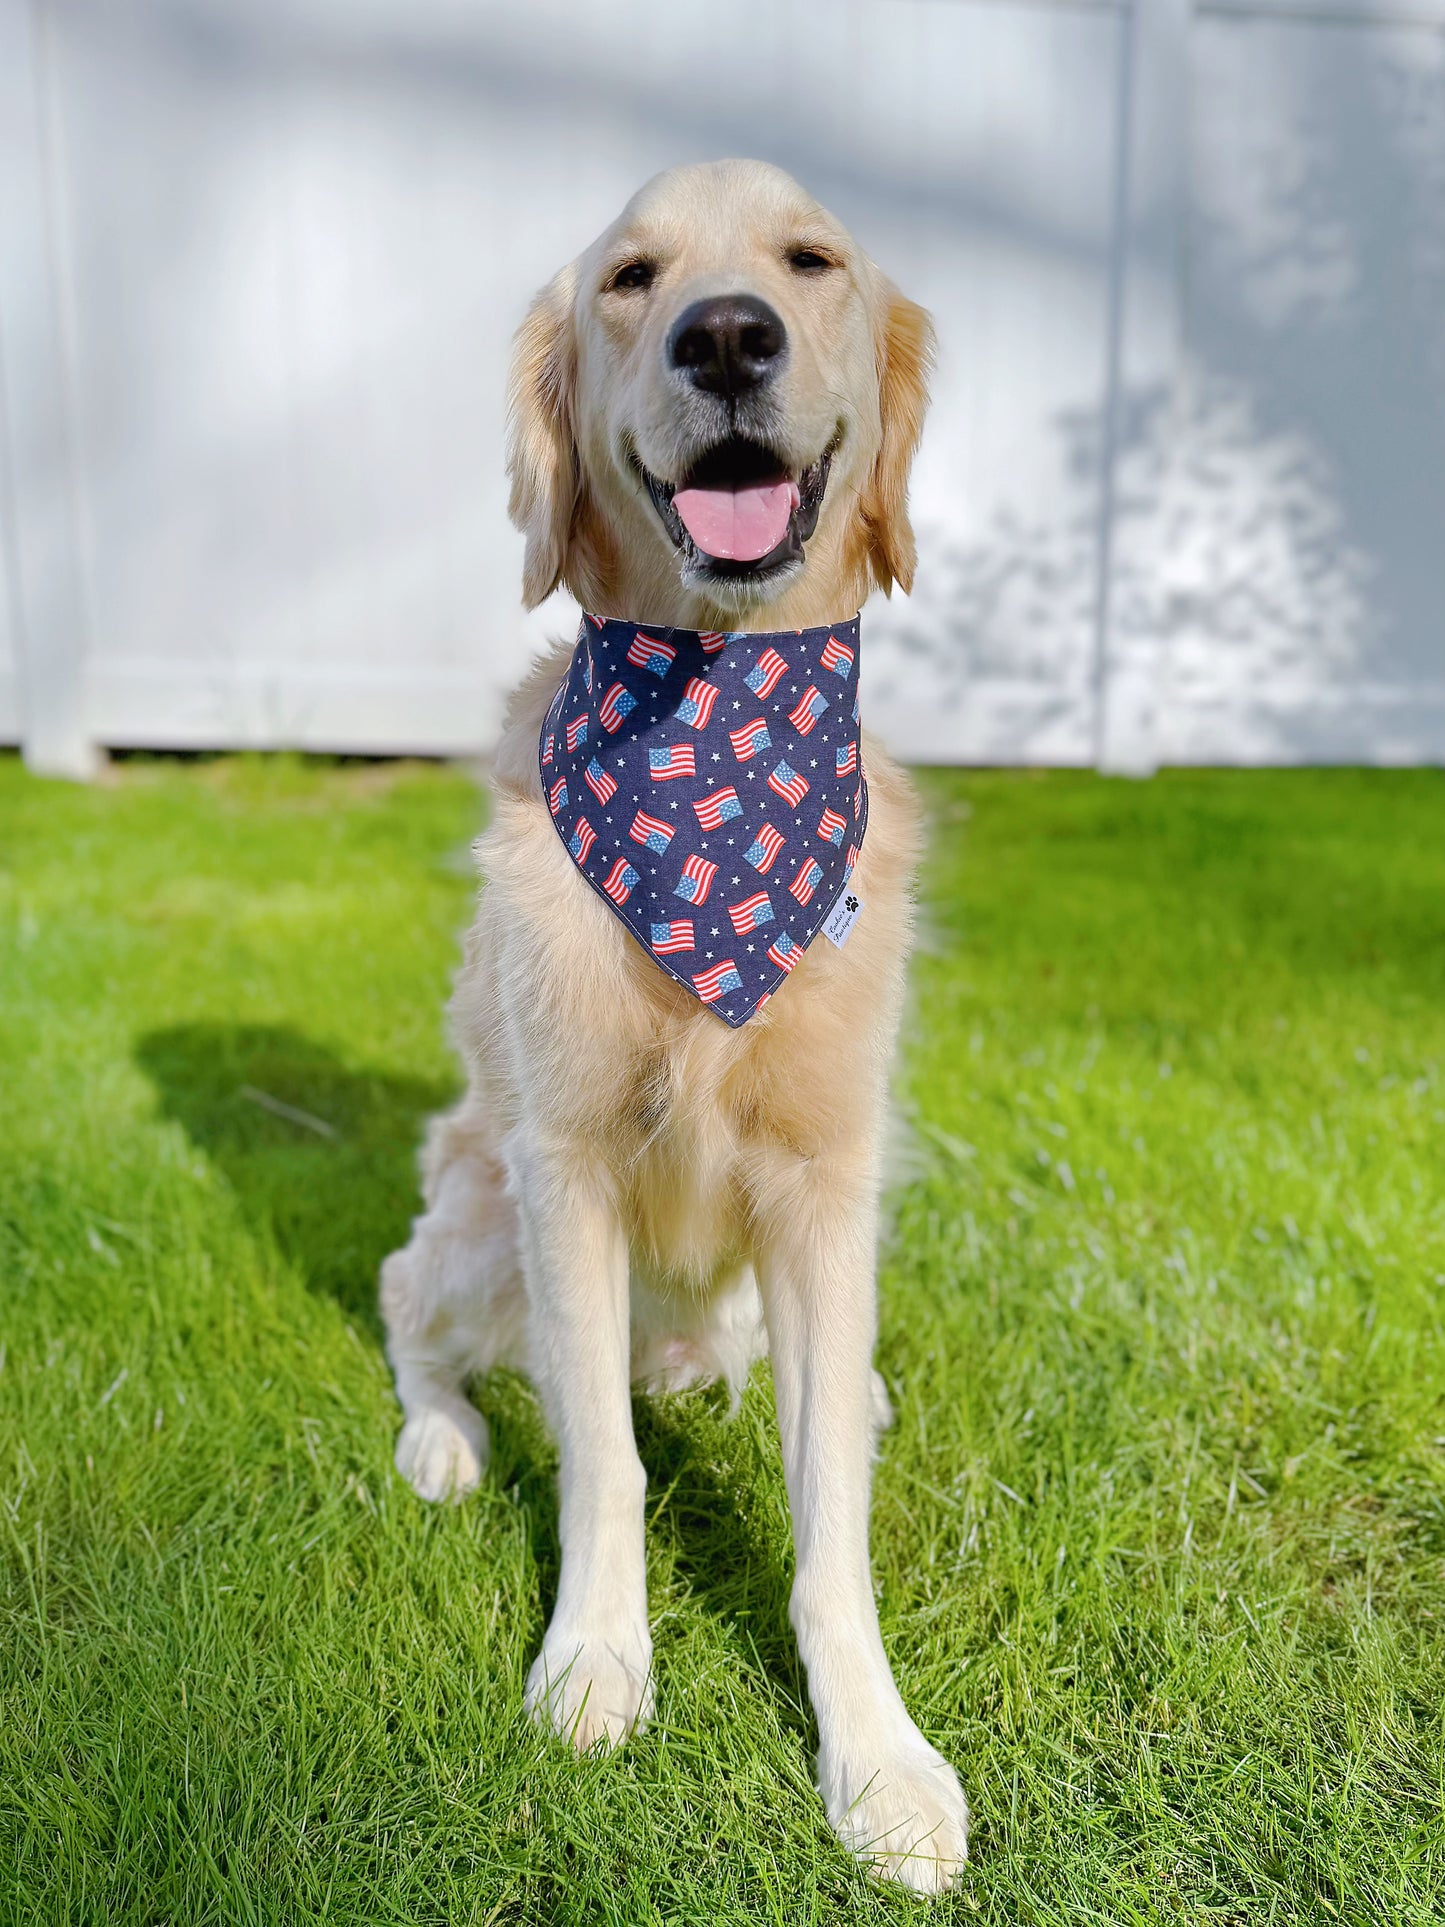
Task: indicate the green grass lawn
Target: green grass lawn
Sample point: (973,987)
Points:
(1160,1531)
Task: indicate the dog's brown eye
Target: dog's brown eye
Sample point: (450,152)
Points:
(634,274)
(808,261)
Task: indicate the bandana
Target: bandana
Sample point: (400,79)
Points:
(710,789)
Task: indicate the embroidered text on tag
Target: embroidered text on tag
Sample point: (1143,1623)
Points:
(841,918)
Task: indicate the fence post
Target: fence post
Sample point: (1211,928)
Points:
(39,484)
(1144,366)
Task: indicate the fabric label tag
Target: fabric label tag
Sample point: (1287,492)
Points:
(841,918)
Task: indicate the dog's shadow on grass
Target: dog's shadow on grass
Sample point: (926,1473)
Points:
(321,1157)
(724,1524)
(714,1515)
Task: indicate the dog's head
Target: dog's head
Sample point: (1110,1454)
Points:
(715,408)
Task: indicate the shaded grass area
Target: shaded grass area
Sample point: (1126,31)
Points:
(1159,1534)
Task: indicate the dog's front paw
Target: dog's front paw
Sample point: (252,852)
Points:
(590,1687)
(903,1815)
(442,1450)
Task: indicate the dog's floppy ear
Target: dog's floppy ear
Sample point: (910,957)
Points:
(904,344)
(542,457)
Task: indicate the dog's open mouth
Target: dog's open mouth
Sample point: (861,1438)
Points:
(738,511)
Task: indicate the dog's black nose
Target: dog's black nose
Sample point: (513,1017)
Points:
(727,343)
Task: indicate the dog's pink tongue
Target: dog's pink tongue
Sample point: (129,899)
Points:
(737,524)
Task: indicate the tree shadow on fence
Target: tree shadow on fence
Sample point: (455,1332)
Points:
(321,1156)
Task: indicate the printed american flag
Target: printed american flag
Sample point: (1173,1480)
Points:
(847,760)
(786,781)
(576,731)
(652,831)
(617,705)
(547,740)
(601,782)
(712,640)
(583,837)
(831,827)
(668,764)
(718,808)
(836,657)
(805,712)
(752,911)
(711,984)
(784,952)
(696,879)
(620,880)
(557,795)
(673,935)
(748,740)
(763,677)
(697,703)
(806,881)
(763,850)
(651,653)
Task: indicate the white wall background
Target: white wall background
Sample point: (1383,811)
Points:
(1182,496)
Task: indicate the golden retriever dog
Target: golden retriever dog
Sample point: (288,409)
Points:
(631,1190)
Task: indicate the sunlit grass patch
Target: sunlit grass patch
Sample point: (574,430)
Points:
(1159,1532)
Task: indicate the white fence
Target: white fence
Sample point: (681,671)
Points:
(1182,496)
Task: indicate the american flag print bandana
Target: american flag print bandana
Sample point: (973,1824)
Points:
(702,782)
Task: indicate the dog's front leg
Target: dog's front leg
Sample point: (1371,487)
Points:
(592,1679)
(892,1799)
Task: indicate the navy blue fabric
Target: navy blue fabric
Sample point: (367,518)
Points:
(710,788)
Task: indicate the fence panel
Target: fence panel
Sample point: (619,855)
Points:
(295,239)
(1182,495)
(1297,582)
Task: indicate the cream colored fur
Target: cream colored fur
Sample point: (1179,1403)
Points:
(630,1190)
